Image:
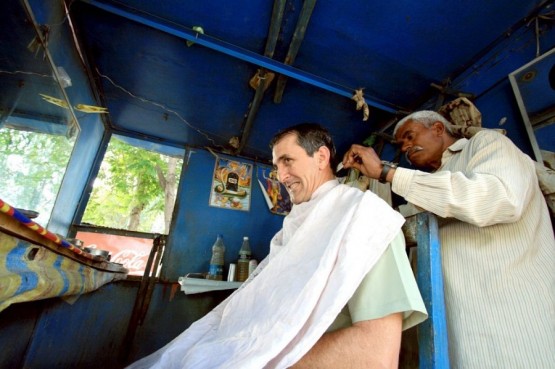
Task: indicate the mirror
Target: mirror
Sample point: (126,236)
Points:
(33,95)
(534,89)
(38,126)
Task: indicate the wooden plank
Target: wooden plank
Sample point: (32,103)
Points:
(13,227)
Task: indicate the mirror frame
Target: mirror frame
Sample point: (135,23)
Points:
(73,125)
(521,105)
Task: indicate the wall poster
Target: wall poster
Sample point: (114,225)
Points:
(277,197)
(231,185)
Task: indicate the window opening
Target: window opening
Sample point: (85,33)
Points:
(33,165)
(133,198)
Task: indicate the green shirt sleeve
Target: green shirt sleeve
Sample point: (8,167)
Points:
(389,287)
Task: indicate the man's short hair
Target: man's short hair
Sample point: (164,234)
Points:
(310,136)
(427,118)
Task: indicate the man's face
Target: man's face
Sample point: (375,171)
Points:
(299,172)
(423,146)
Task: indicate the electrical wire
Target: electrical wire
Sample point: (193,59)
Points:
(25,72)
(159,105)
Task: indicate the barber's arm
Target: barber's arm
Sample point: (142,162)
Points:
(366,344)
(494,187)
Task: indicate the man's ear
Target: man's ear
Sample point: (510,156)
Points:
(438,128)
(323,156)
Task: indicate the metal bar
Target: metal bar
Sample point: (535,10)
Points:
(139,308)
(114,231)
(243,54)
(258,95)
(522,106)
(432,333)
(273,32)
(159,243)
(298,37)
(275,26)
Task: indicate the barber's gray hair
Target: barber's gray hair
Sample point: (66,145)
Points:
(427,118)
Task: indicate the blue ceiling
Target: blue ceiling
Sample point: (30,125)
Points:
(157,85)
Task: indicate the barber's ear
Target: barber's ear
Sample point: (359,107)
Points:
(438,128)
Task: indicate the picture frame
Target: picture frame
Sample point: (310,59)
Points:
(231,185)
(274,192)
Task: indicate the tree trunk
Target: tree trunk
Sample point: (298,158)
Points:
(135,215)
(170,192)
(169,183)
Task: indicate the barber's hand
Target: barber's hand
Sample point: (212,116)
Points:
(364,159)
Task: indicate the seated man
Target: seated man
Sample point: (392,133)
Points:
(335,291)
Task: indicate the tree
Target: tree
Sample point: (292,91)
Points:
(32,166)
(135,188)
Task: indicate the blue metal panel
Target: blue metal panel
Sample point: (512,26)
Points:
(546,137)
(89,333)
(225,21)
(432,333)
(76,177)
(169,314)
(393,57)
(243,54)
(85,334)
(337,115)
(496,105)
(395,49)
(495,66)
(17,324)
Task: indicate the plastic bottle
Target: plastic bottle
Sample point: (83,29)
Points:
(216,269)
(243,261)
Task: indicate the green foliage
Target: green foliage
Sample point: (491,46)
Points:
(128,180)
(32,166)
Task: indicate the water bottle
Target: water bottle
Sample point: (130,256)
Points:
(243,262)
(216,269)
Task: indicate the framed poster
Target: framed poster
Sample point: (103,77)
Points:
(277,197)
(231,185)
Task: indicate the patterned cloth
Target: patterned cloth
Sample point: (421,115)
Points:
(465,117)
(16,214)
(498,252)
(30,272)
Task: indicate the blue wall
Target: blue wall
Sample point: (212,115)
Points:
(196,224)
(488,79)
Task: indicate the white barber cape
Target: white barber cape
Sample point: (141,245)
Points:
(317,260)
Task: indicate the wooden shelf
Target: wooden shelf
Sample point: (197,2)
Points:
(195,283)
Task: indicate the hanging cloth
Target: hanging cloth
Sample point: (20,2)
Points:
(325,248)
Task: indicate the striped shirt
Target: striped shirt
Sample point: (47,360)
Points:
(498,252)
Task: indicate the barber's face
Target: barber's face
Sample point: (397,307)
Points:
(422,145)
(299,172)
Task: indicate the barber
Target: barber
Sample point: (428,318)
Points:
(497,243)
